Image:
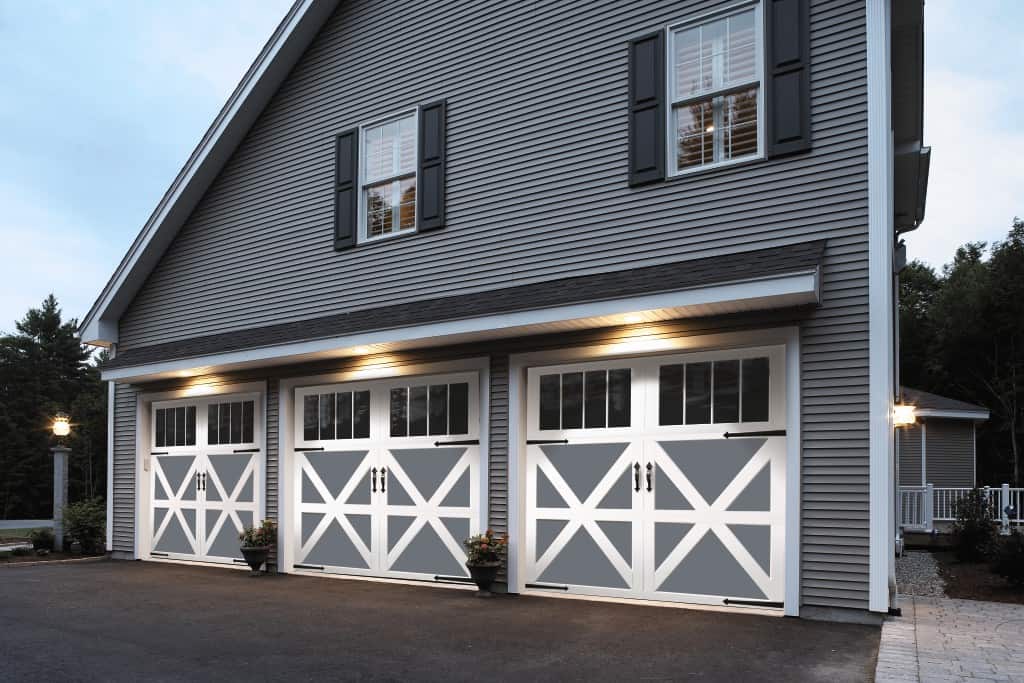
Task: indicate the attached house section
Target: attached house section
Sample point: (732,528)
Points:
(940,448)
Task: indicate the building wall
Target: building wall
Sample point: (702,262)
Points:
(537,189)
(910,455)
(949,454)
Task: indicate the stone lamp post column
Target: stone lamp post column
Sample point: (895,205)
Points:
(61,453)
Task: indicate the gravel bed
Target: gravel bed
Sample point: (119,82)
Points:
(917,573)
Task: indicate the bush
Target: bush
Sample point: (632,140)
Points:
(1008,559)
(42,539)
(21,551)
(973,530)
(259,536)
(85,522)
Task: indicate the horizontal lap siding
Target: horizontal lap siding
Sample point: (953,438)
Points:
(910,456)
(949,453)
(537,189)
(123,534)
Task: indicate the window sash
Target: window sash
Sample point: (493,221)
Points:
(716,94)
(395,177)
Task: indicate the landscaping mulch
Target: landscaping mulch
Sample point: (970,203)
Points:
(975,581)
(52,557)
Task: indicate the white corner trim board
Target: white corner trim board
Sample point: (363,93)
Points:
(791,289)
(880,317)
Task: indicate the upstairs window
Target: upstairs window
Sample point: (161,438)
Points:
(715,77)
(388,178)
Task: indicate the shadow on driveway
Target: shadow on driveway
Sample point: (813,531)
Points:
(134,620)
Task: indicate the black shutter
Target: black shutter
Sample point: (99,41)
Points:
(346,190)
(788,93)
(647,109)
(431,172)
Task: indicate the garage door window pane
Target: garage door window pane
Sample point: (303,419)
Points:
(549,408)
(618,398)
(248,408)
(595,388)
(212,419)
(344,415)
(190,426)
(361,415)
(698,393)
(310,417)
(572,400)
(326,416)
(159,427)
(179,426)
(399,412)
(458,408)
(438,409)
(417,411)
(727,391)
(755,389)
(670,394)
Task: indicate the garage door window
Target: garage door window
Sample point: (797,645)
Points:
(230,423)
(720,392)
(592,400)
(341,415)
(175,426)
(435,410)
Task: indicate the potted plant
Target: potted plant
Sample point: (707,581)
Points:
(483,559)
(256,542)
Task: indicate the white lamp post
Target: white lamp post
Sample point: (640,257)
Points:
(61,428)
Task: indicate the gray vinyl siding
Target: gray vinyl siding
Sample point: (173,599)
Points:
(949,452)
(910,456)
(123,527)
(537,189)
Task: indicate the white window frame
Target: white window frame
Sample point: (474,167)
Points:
(673,101)
(364,236)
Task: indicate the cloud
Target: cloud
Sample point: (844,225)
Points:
(977,177)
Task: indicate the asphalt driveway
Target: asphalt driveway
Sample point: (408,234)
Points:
(133,620)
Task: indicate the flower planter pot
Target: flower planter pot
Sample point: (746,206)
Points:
(483,576)
(256,557)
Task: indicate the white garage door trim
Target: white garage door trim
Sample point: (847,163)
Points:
(372,369)
(201,395)
(636,346)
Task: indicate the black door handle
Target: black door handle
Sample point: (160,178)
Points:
(204,481)
(636,477)
(383,475)
(373,480)
(199,482)
(650,468)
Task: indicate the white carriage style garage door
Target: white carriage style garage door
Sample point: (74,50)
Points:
(387,476)
(659,478)
(205,476)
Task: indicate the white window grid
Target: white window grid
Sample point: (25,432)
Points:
(718,91)
(366,180)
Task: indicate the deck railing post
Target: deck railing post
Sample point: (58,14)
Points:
(1004,509)
(929,507)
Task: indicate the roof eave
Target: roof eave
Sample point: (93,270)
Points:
(282,51)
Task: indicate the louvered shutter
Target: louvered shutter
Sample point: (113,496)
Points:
(430,204)
(647,109)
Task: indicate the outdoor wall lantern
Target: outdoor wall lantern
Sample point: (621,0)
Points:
(61,425)
(903,415)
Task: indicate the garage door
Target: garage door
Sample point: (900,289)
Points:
(387,476)
(659,478)
(205,477)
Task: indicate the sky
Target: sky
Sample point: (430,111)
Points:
(102,101)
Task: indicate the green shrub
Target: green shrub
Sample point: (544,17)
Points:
(973,530)
(1008,559)
(21,551)
(85,522)
(42,539)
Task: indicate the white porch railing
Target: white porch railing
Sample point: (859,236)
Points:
(922,506)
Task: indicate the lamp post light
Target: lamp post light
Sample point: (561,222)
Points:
(61,428)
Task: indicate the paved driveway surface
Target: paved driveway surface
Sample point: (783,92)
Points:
(133,620)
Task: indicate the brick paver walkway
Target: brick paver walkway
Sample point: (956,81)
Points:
(940,640)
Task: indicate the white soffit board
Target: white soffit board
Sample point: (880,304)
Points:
(783,291)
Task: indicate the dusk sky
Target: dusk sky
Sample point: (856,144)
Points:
(103,101)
